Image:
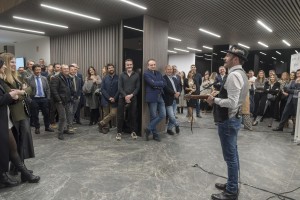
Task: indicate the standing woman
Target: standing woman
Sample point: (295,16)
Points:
(272,88)
(19,110)
(92,83)
(281,101)
(191,86)
(182,102)
(8,147)
(260,97)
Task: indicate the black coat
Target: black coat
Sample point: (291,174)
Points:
(5,100)
(62,89)
(169,91)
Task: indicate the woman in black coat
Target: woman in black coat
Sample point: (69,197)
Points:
(8,147)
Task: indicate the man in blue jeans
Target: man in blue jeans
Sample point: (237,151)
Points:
(228,103)
(154,84)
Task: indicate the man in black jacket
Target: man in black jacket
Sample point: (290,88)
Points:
(62,91)
(171,93)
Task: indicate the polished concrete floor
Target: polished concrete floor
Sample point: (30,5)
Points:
(90,165)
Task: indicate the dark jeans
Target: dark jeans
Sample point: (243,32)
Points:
(65,116)
(157,113)
(198,107)
(228,131)
(132,114)
(36,105)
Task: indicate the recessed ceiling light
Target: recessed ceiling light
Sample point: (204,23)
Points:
(278,52)
(281,61)
(134,4)
(40,22)
(190,48)
(207,55)
(133,28)
(206,47)
(244,45)
(208,32)
(262,44)
(199,56)
(172,51)
(181,50)
(70,12)
(262,53)
(223,51)
(176,39)
(284,41)
(21,29)
(215,54)
(274,58)
(296,51)
(264,25)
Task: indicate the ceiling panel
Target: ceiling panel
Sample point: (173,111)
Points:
(234,20)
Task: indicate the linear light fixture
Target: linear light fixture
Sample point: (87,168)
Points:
(70,12)
(274,58)
(207,55)
(172,51)
(223,51)
(262,44)
(134,4)
(190,48)
(296,51)
(264,25)
(215,54)
(208,32)
(262,53)
(199,56)
(278,52)
(40,22)
(207,59)
(21,29)
(176,39)
(244,45)
(281,61)
(206,47)
(183,50)
(285,42)
(133,28)
(261,61)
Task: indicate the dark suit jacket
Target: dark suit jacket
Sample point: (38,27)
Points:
(169,91)
(79,85)
(5,100)
(219,82)
(61,90)
(154,84)
(46,88)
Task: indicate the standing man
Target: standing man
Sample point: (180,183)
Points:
(228,104)
(109,98)
(177,79)
(220,78)
(28,72)
(62,92)
(154,84)
(42,64)
(53,110)
(198,79)
(77,85)
(171,93)
(81,102)
(128,87)
(40,98)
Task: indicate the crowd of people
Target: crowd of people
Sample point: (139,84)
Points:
(59,91)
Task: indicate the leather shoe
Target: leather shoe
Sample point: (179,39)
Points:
(148,132)
(170,132)
(220,186)
(6,181)
(224,196)
(37,131)
(60,136)
(177,129)
(278,129)
(156,138)
(49,129)
(199,116)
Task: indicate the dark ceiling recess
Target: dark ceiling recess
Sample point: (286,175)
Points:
(234,20)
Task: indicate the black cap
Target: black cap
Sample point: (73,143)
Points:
(238,51)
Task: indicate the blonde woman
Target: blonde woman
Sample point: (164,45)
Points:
(260,97)
(19,110)
(182,102)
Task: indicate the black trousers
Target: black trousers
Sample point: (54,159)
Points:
(260,100)
(131,110)
(36,105)
(290,109)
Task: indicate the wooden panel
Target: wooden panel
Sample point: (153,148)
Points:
(155,45)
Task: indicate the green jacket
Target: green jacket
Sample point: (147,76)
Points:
(17,109)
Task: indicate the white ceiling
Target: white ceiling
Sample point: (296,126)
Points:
(10,37)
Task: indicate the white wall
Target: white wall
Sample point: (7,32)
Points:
(34,49)
(182,61)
